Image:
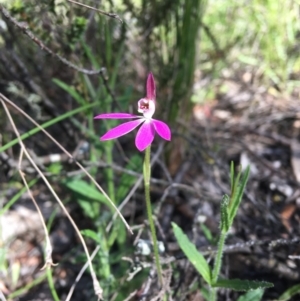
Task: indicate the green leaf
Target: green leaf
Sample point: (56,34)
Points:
(15,270)
(15,198)
(55,168)
(85,189)
(3,262)
(70,90)
(225,224)
(254,295)
(242,285)
(249,60)
(88,208)
(91,234)
(88,52)
(193,255)
(45,125)
(119,234)
(238,194)
(207,233)
(234,188)
(205,292)
(88,84)
(289,293)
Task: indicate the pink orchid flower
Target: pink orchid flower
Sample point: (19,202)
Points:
(149,126)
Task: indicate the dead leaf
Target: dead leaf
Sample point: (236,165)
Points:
(286,215)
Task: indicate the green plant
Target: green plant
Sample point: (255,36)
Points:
(228,208)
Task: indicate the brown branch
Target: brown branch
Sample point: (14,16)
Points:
(111,15)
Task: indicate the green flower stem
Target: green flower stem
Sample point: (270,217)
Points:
(217,265)
(110,172)
(147,176)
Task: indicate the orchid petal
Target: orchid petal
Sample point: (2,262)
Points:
(121,129)
(116,116)
(151,93)
(162,129)
(144,136)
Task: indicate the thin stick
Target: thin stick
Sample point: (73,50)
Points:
(112,15)
(48,250)
(97,288)
(131,295)
(80,274)
(70,156)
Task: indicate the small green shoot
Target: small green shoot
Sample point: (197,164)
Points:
(228,207)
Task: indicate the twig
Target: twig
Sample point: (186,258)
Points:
(166,287)
(133,294)
(48,250)
(243,246)
(24,28)
(147,285)
(80,274)
(111,15)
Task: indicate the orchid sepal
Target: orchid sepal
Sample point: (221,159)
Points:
(117,116)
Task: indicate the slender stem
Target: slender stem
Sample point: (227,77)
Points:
(110,172)
(147,176)
(217,265)
(218,260)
